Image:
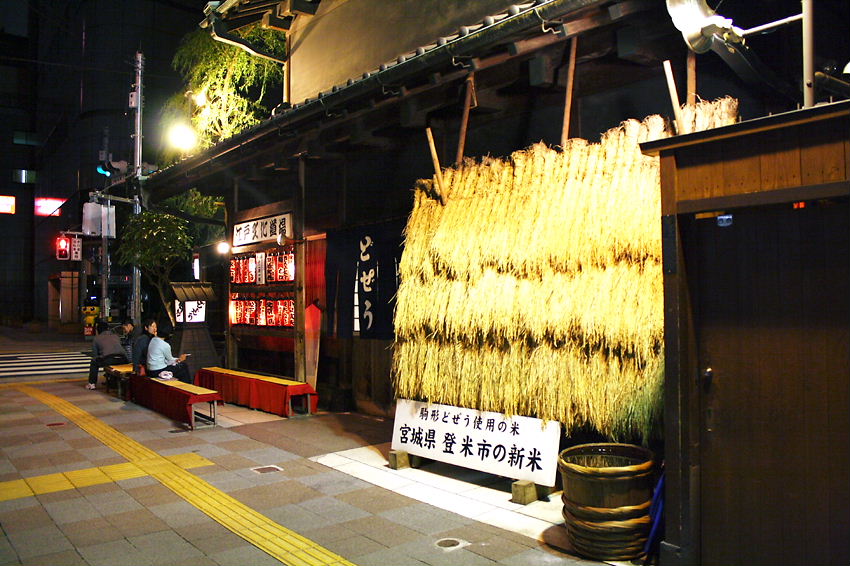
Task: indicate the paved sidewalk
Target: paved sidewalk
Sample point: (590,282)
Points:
(271,465)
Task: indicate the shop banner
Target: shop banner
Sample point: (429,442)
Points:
(262,229)
(362,279)
(520,448)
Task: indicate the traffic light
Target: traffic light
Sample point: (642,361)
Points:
(63,247)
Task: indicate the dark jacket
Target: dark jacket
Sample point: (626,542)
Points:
(140,350)
(107,344)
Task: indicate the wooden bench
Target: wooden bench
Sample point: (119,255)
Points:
(118,378)
(270,394)
(173,398)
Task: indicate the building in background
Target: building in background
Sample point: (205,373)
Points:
(66,71)
(19,145)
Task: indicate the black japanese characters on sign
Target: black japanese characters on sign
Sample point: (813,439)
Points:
(367,267)
(262,229)
(361,273)
(515,447)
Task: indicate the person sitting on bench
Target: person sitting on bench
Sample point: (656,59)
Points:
(106,351)
(160,358)
(140,345)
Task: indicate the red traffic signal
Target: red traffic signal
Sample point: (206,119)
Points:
(63,247)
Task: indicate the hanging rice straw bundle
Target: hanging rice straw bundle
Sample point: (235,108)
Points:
(537,289)
(705,115)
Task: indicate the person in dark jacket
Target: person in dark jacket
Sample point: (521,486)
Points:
(106,351)
(140,345)
(127,336)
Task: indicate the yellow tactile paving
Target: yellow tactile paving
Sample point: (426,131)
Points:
(14,489)
(87,477)
(126,471)
(189,460)
(285,545)
(49,483)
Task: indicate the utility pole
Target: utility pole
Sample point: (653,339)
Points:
(105,157)
(136,102)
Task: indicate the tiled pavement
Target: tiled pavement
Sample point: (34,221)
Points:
(332,487)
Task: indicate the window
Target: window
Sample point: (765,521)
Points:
(356,301)
(24,175)
(25,138)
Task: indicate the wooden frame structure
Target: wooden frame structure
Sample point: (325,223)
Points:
(757,388)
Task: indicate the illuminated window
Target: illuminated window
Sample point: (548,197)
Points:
(23,176)
(356,301)
(7,204)
(25,138)
(48,206)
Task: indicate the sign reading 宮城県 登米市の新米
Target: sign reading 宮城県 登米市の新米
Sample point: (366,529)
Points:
(262,229)
(521,448)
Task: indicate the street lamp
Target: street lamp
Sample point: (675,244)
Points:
(222,247)
(182,137)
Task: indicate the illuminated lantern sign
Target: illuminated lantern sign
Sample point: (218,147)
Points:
(48,206)
(263,268)
(7,204)
(63,248)
(250,309)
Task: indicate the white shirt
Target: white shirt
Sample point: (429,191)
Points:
(159,354)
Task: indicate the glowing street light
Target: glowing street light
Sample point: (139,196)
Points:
(182,137)
(222,247)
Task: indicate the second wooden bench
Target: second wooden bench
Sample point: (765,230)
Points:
(270,394)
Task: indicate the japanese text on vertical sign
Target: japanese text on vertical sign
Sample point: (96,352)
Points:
(366,272)
(262,229)
(516,447)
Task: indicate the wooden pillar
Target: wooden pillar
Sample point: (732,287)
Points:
(691,98)
(287,71)
(568,97)
(464,121)
(300,275)
(230,208)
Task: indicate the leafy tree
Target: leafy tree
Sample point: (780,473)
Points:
(228,90)
(157,243)
(196,204)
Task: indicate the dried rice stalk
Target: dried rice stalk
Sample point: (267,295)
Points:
(537,289)
(705,115)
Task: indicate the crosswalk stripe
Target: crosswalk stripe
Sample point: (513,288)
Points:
(52,357)
(43,363)
(26,363)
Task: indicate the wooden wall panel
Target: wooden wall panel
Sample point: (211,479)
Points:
(741,169)
(822,153)
(780,160)
(699,175)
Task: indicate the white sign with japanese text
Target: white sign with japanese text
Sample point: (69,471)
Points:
(190,311)
(262,229)
(521,448)
(261,268)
